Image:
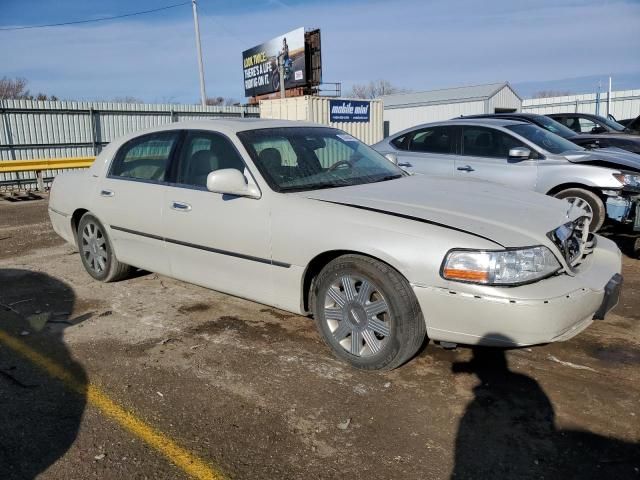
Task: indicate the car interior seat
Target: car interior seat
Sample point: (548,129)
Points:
(202,163)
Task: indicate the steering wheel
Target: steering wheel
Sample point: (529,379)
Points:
(337,164)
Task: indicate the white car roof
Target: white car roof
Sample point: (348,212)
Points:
(229,126)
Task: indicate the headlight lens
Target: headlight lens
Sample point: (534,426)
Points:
(628,179)
(502,267)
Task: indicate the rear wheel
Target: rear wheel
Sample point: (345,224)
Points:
(367,313)
(97,253)
(589,201)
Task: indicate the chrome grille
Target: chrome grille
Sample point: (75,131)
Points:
(574,240)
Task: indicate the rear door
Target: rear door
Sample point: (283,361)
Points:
(215,240)
(130,199)
(430,150)
(485,156)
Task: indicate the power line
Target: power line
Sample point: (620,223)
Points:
(102,19)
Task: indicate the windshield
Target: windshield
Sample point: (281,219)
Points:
(554,127)
(549,141)
(309,158)
(612,124)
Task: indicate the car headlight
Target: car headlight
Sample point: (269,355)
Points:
(628,179)
(501,267)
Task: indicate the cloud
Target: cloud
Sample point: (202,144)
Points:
(415,44)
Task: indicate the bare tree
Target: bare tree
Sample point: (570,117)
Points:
(375,89)
(551,93)
(218,101)
(126,99)
(16,88)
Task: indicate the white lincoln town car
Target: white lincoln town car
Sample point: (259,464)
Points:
(308,219)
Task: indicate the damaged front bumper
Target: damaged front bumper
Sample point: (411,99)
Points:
(625,208)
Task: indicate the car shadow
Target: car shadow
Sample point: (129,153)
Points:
(508,431)
(39,415)
(627,240)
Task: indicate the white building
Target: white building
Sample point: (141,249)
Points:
(409,109)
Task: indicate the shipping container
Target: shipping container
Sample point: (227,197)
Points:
(317,110)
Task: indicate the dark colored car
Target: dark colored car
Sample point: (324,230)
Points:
(631,124)
(624,141)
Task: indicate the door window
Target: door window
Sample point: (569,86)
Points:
(146,157)
(433,140)
(572,122)
(586,125)
(202,153)
(487,142)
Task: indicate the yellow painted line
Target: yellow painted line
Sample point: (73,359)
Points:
(7,166)
(182,458)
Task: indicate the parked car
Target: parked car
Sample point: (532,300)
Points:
(589,123)
(632,124)
(308,219)
(630,143)
(522,155)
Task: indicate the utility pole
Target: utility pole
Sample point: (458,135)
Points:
(203,93)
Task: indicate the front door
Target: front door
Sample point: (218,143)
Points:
(217,241)
(485,156)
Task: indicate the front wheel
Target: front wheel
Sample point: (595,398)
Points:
(96,251)
(367,313)
(589,201)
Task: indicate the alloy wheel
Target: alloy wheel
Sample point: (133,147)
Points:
(94,248)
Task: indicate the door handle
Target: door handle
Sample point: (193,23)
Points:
(404,164)
(107,193)
(466,168)
(181,206)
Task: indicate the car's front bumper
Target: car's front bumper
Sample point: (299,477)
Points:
(553,309)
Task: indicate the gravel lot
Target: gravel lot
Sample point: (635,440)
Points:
(253,392)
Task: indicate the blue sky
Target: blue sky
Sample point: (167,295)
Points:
(416,44)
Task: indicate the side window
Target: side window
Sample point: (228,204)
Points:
(202,153)
(571,122)
(487,142)
(400,143)
(586,125)
(432,140)
(146,157)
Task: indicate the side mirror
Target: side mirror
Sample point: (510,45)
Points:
(392,157)
(598,129)
(517,154)
(231,182)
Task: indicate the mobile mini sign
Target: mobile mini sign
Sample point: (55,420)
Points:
(349,111)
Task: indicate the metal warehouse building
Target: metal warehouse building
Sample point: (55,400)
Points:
(409,109)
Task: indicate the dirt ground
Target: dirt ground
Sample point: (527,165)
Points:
(253,392)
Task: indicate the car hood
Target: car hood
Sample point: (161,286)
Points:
(613,156)
(510,218)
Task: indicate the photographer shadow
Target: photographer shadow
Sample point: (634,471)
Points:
(508,431)
(39,414)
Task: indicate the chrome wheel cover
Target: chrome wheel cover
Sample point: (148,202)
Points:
(581,203)
(94,248)
(357,315)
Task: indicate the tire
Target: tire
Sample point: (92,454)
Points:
(96,251)
(593,201)
(367,313)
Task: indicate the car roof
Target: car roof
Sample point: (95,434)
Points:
(228,126)
(486,122)
(502,115)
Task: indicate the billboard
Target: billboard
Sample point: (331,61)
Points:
(260,64)
(349,111)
